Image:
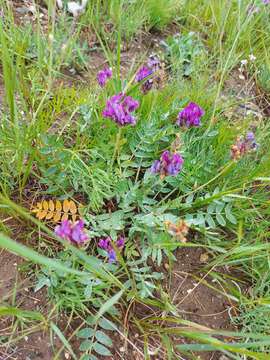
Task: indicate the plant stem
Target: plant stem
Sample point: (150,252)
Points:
(117,146)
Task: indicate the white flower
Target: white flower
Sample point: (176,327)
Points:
(252,57)
(59,4)
(76,9)
(244,62)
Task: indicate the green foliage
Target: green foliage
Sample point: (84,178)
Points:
(162,12)
(185,53)
(264,78)
(71,292)
(96,337)
(55,136)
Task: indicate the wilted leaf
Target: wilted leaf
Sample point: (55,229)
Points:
(65,217)
(56,211)
(57,217)
(45,205)
(58,205)
(72,207)
(51,205)
(66,206)
(41,214)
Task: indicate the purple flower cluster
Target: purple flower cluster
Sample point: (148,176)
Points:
(190,115)
(169,164)
(75,233)
(243,145)
(103,76)
(143,73)
(106,244)
(119,108)
(153,65)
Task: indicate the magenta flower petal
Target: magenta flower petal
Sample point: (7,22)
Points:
(190,115)
(155,168)
(78,235)
(169,164)
(103,76)
(120,242)
(74,233)
(106,244)
(119,108)
(143,73)
(64,230)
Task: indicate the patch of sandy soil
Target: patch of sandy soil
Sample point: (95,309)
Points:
(247,99)
(195,300)
(37,344)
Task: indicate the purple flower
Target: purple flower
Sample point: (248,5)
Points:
(147,86)
(250,141)
(266,2)
(155,168)
(250,136)
(119,108)
(252,9)
(169,164)
(75,233)
(78,235)
(153,63)
(190,115)
(143,73)
(112,256)
(120,242)
(103,76)
(106,244)
(63,230)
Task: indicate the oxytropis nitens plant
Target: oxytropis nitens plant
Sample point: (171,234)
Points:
(106,244)
(190,116)
(103,76)
(148,73)
(75,233)
(119,108)
(169,164)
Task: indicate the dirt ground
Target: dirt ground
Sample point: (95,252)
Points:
(195,302)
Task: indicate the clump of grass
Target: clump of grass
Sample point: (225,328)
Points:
(162,12)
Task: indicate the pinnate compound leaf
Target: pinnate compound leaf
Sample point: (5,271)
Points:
(55,210)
